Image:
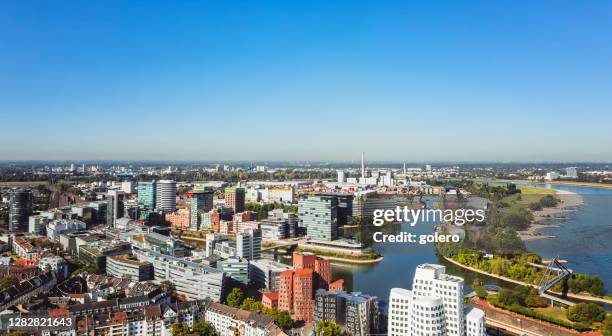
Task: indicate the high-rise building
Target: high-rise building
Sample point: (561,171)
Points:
(341,177)
(37,223)
(166,195)
(571,172)
(147,192)
(235,198)
(248,244)
(201,202)
(114,207)
(319,215)
(433,307)
(20,209)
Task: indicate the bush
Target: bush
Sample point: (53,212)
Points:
(481,292)
(586,313)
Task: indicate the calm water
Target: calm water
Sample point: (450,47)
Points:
(583,239)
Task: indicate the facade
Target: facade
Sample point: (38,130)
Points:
(230,321)
(57,227)
(20,209)
(114,207)
(165,198)
(37,223)
(210,220)
(201,202)
(191,279)
(281,195)
(321,267)
(235,199)
(127,267)
(265,273)
(179,219)
(248,244)
(147,192)
(410,312)
(235,268)
(356,312)
(319,215)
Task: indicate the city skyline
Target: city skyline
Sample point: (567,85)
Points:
(427,82)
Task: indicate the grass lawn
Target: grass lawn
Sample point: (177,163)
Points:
(554,312)
(528,195)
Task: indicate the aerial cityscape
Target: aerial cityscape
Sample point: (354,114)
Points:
(305,168)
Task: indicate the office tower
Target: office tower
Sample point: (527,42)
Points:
(234,198)
(356,312)
(166,195)
(146,195)
(341,178)
(20,209)
(571,172)
(248,244)
(114,207)
(127,187)
(201,203)
(319,215)
(434,306)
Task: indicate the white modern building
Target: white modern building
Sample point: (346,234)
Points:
(57,227)
(434,306)
(248,244)
(166,195)
(194,280)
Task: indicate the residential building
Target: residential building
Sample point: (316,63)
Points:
(356,312)
(20,209)
(230,321)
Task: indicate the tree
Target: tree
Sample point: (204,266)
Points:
(179,329)
(204,328)
(586,313)
(8,281)
(283,319)
(327,328)
(167,286)
(235,297)
(607,326)
(481,292)
(507,297)
(251,304)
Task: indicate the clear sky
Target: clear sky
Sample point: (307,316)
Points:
(306,80)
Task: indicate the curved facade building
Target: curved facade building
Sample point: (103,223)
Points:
(166,195)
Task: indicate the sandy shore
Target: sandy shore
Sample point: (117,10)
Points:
(569,202)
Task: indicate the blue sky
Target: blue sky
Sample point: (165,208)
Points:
(306,80)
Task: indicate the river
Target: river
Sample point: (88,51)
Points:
(583,239)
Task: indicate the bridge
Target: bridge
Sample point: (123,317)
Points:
(544,284)
(280,246)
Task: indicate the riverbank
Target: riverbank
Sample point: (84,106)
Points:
(517,282)
(566,183)
(568,201)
